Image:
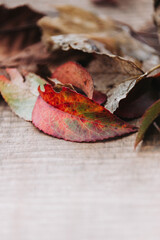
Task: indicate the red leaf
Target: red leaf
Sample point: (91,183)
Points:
(76,75)
(99,97)
(74,117)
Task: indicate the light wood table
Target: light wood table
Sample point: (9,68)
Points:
(51,189)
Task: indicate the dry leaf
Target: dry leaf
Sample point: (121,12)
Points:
(29,58)
(72,19)
(118,38)
(131,98)
(105,69)
(18,29)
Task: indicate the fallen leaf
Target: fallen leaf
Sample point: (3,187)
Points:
(19,94)
(29,58)
(76,42)
(18,29)
(74,117)
(109,70)
(148,118)
(72,19)
(20,39)
(105,69)
(75,74)
(131,98)
(116,37)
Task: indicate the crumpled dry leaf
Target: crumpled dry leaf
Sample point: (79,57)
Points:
(18,29)
(20,93)
(118,38)
(106,69)
(114,75)
(131,98)
(76,42)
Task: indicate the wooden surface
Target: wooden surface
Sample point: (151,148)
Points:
(51,189)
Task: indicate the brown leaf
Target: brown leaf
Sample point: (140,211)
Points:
(117,37)
(18,29)
(29,58)
(72,19)
(131,98)
(106,70)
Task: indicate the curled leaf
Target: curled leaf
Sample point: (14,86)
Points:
(149,116)
(131,98)
(105,69)
(115,36)
(76,42)
(74,117)
(19,94)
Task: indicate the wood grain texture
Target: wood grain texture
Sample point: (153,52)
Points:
(53,189)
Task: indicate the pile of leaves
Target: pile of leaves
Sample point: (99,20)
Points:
(78,76)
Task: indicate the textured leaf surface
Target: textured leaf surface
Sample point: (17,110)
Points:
(131,98)
(106,70)
(118,38)
(74,117)
(20,96)
(76,75)
(149,116)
